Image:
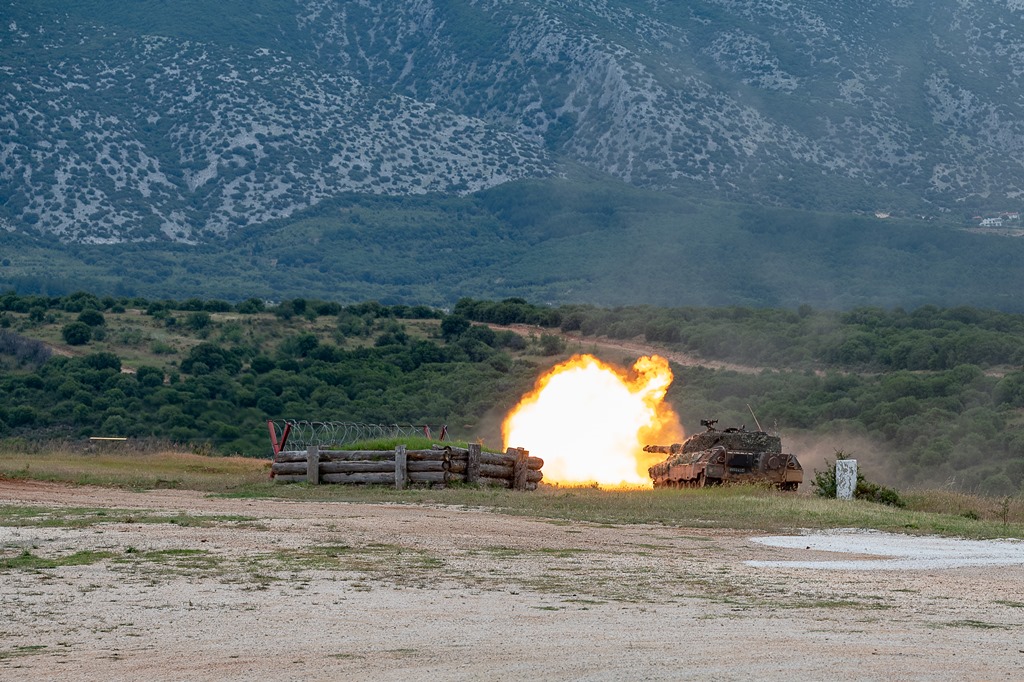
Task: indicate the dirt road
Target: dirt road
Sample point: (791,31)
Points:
(633,348)
(175,585)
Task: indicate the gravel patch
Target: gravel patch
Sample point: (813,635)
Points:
(336,591)
(892,552)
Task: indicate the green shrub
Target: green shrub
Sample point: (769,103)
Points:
(76,333)
(825,486)
(92,317)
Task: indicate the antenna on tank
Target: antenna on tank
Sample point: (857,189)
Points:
(755,417)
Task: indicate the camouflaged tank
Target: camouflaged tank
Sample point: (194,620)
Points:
(731,455)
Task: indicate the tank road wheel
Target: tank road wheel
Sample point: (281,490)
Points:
(700,481)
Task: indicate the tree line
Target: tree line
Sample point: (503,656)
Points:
(222,392)
(934,395)
(862,339)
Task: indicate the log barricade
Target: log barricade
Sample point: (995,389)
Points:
(401,467)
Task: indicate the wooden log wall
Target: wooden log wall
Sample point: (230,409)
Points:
(401,467)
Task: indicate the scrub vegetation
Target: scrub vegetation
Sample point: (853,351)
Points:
(930,397)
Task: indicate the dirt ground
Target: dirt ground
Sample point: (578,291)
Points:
(191,587)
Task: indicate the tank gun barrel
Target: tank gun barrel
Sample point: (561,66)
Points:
(663,449)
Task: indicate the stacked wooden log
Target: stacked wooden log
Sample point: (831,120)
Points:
(442,464)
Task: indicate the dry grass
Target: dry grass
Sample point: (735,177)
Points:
(737,507)
(1004,509)
(120,467)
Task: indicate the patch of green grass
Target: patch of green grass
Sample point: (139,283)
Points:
(410,443)
(971,623)
(830,604)
(572,583)
(84,517)
(1014,604)
(27,561)
(372,559)
(561,553)
(164,563)
(516,552)
(501,552)
(183,560)
(123,468)
(22,651)
(738,507)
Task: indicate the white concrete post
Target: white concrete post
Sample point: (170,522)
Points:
(846,478)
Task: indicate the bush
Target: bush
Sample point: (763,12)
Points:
(22,415)
(208,357)
(103,360)
(550,344)
(77,333)
(198,321)
(825,486)
(250,306)
(150,376)
(261,364)
(453,326)
(92,317)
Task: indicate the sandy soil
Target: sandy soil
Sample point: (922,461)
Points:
(277,590)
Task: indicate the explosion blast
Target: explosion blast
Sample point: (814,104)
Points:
(590,421)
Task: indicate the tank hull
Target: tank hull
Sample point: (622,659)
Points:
(730,456)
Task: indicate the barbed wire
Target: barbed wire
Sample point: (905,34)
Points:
(303,434)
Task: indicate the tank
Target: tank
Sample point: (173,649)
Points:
(730,455)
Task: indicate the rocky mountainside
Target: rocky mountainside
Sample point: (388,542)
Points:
(752,95)
(183,120)
(147,136)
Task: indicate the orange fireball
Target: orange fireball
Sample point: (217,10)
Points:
(589,421)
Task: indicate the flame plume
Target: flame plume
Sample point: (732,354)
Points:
(590,420)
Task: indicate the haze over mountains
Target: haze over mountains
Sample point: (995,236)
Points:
(154,121)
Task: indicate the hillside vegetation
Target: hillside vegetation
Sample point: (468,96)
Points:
(923,398)
(551,241)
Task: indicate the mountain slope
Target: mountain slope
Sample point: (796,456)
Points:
(171,120)
(155,137)
(751,95)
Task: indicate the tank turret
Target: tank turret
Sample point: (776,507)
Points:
(732,455)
